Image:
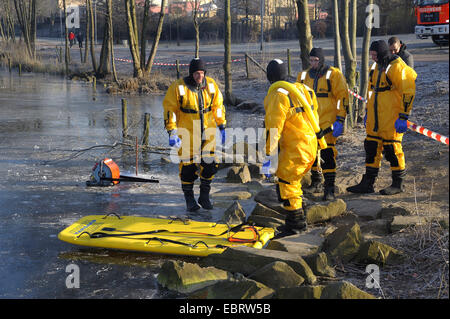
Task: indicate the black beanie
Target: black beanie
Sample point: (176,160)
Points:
(318,52)
(276,71)
(382,49)
(196,64)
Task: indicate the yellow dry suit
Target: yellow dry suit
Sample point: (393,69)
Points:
(195,113)
(290,132)
(391,95)
(331,91)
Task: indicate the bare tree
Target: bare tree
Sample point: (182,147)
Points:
(143,32)
(349,58)
(91,34)
(111,38)
(26,16)
(151,58)
(337,37)
(8,21)
(227,54)
(365,62)
(66,36)
(196,27)
(304,32)
(130,8)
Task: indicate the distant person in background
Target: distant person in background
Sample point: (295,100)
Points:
(80,39)
(71,38)
(397,47)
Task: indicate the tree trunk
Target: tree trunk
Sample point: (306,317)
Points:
(304,32)
(26,15)
(337,37)
(151,58)
(227,55)
(66,36)
(111,38)
(104,67)
(196,27)
(143,31)
(354,27)
(350,60)
(86,36)
(133,41)
(365,63)
(9,22)
(92,34)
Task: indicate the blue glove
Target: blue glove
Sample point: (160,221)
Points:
(174,140)
(365,119)
(401,125)
(223,135)
(338,126)
(266,168)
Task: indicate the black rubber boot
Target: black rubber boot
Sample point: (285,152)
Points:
(397,183)
(191,204)
(316,183)
(205,188)
(366,184)
(328,193)
(295,220)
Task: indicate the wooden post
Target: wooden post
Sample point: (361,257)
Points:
(246,65)
(289,62)
(20,69)
(137,152)
(9,64)
(146,133)
(124,118)
(178,69)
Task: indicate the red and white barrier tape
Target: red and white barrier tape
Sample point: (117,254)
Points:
(422,130)
(359,97)
(174,64)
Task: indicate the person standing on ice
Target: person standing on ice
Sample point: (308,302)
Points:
(193,109)
(392,88)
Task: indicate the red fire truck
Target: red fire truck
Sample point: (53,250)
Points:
(432,20)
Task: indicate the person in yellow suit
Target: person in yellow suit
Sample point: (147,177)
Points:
(331,91)
(193,109)
(289,132)
(392,89)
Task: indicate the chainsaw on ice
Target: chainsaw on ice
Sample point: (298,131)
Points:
(107,173)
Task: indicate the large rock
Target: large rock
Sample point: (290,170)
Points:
(234,214)
(239,174)
(306,243)
(277,275)
(302,292)
(319,265)
(235,289)
(315,213)
(322,213)
(233,195)
(401,222)
(344,290)
(247,260)
(374,252)
(344,242)
(391,211)
(186,277)
(365,207)
(336,290)
(266,217)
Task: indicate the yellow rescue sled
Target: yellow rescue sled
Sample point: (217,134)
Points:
(167,236)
